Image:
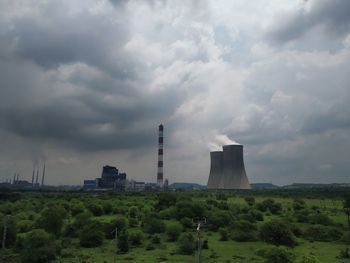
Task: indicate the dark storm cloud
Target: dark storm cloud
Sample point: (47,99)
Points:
(332,15)
(323,123)
(57,37)
(103,103)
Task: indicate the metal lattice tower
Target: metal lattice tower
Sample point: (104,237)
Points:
(160,156)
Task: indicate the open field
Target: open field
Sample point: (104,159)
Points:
(73,227)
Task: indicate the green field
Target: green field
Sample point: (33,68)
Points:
(314,226)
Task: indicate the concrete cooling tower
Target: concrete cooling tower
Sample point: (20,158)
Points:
(227,169)
(216,166)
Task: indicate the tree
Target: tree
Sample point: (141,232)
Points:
(250,200)
(91,236)
(278,255)
(152,224)
(38,247)
(309,259)
(135,238)
(186,244)
(347,207)
(52,219)
(133,212)
(11,230)
(95,208)
(123,241)
(278,233)
(173,230)
(223,234)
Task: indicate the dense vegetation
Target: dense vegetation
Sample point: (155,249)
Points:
(242,226)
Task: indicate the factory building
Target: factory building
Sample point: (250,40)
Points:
(110,178)
(227,169)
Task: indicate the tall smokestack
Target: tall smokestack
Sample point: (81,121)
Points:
(216,169)
(18,177)
(37,177)
(234,175)
(33,175)
(14,179)
(43,176)
(160,155)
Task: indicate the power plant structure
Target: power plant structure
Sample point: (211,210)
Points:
(160,155)
(227,169)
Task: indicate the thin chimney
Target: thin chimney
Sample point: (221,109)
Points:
(43,177)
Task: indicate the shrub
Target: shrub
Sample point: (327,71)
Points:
(322,233)
(123,241)
(52,219)
(155,239)
(243,236)
(94,208)
(186,244)
(82,219)
(24,226)
(173,231)
(91,236)
(278,255)
(76,208)
(344,253)
(271,205)
(250,200)
(133,212)
(136,238)
(278,233)
(223,234)
(298,204)
(309,259)
(321,219)
(120,223)
(186,222)
(151,224)
(205,244)
(38,247)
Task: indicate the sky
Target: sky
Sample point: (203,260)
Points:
(86,83)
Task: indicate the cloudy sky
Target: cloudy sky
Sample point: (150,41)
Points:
(85,83)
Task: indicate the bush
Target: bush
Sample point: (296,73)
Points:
(91,236)
(309,259)
(243,236)
(173,231)
(344,253)
(151,224)
(278,233)
(82,219)
(271,205)
(155,239)
(223,234)
(321,219)
(133,212)
(120,223)
(186,244)
(322,233)
(186,222)
(94,208)
(52,219)
(278,255)
(24,226)
(123,241)
(11,231)
(250,200)
(136,238)
(76,208)
(38,247)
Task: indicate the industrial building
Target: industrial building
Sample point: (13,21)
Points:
(110,178)
(227,169)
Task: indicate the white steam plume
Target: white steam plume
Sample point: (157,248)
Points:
(220,140)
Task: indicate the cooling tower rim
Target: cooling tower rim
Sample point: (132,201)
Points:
(232,145)
(215,152)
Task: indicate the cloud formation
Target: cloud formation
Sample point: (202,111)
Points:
(86,83)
